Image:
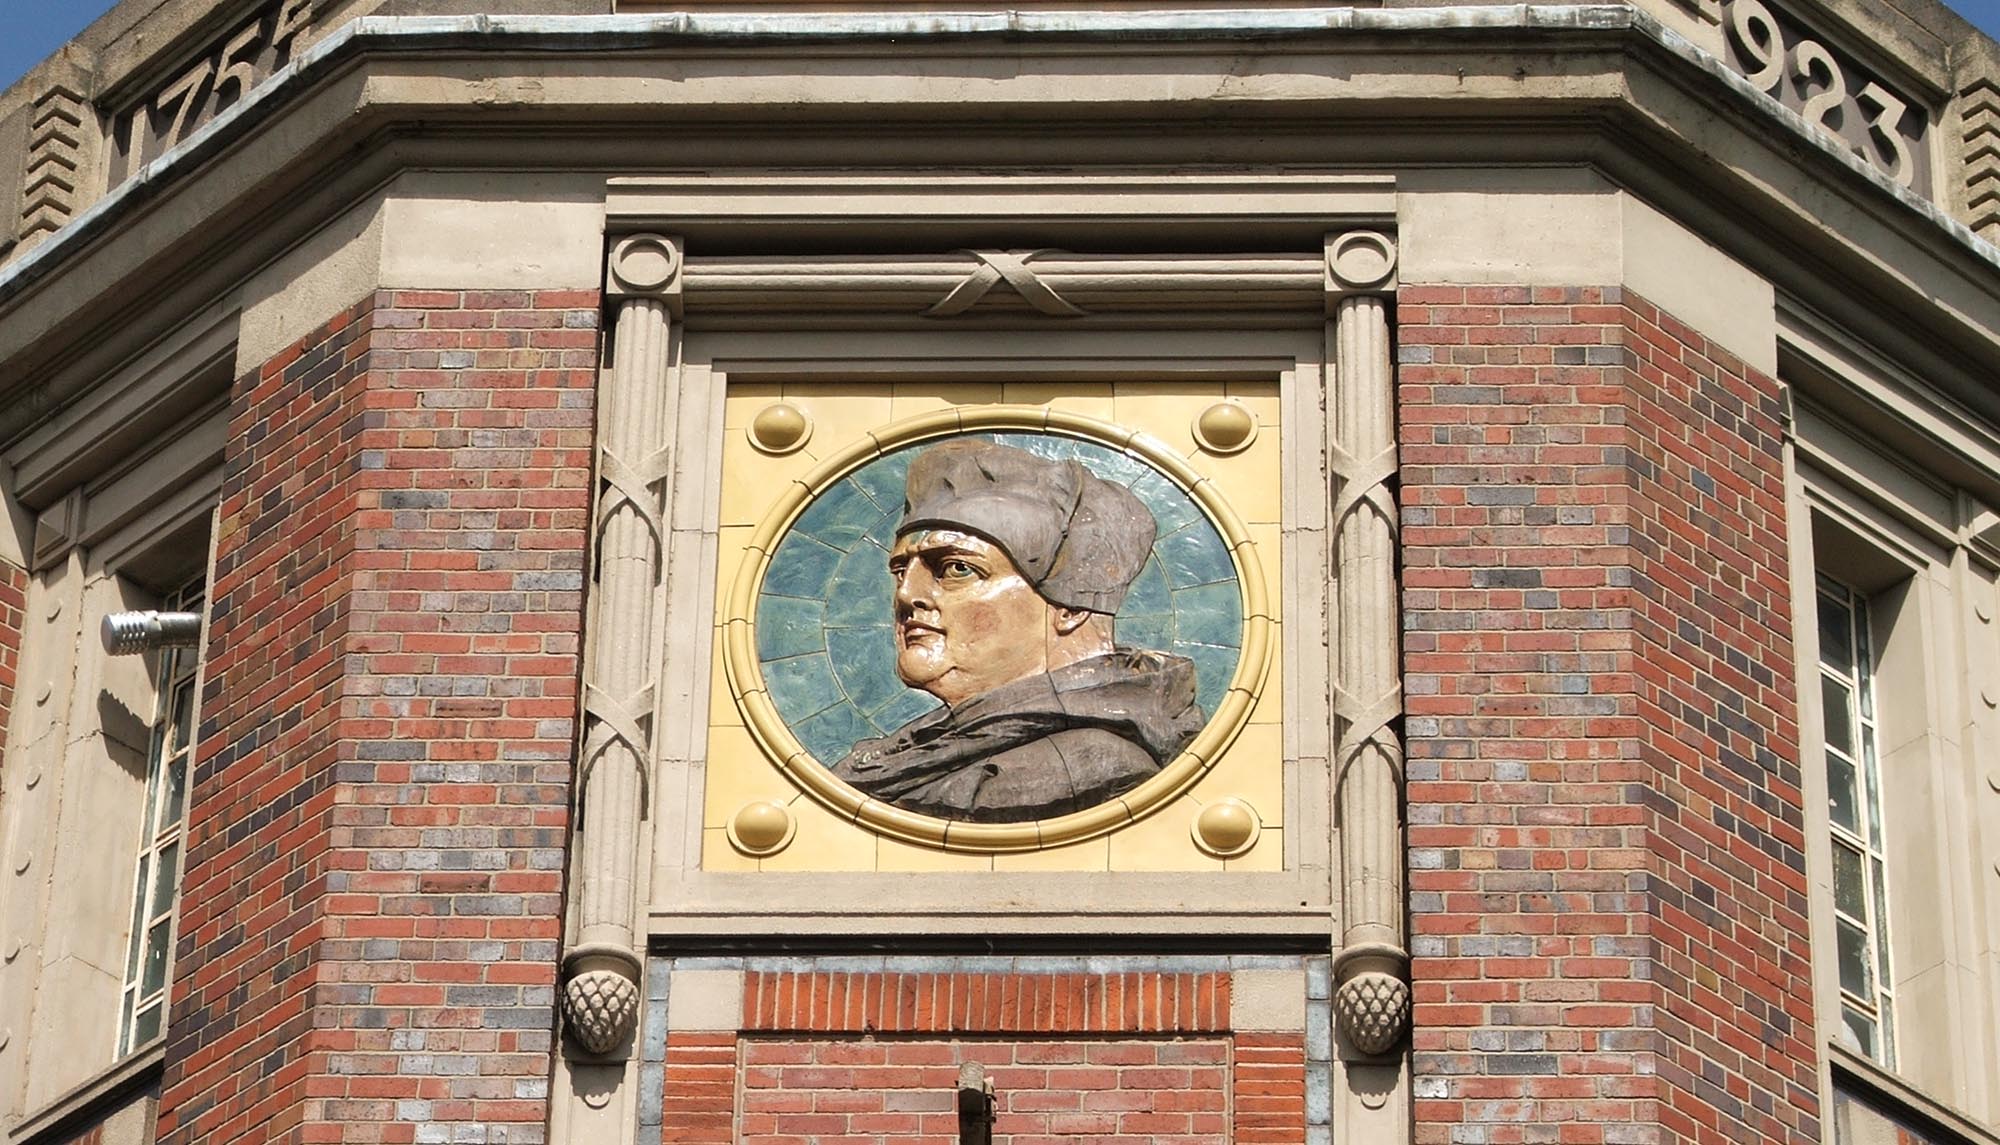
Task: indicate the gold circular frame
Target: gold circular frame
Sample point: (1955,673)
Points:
(774,736)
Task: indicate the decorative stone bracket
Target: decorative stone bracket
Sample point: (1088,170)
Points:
(1371,963)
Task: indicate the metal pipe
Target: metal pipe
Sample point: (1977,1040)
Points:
(129,633)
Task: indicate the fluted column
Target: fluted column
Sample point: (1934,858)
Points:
(1371,965)
(602,964)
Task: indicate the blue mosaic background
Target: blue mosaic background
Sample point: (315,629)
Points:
(824,638)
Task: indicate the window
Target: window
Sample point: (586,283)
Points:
(1854,816)
(142,1011)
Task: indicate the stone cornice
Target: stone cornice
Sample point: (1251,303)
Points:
(368,101)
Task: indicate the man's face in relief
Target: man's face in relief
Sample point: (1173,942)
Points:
(966,620)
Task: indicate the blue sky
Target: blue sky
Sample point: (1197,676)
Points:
(32,29)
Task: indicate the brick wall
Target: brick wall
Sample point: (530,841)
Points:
(372,906)
(795,1091)
(1143,1057)
(1605,821)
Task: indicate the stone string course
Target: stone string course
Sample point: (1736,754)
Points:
(371,910)
(1606,833)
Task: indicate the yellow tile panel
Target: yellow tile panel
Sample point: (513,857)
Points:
(1267,854)
(1089,855)
(912,398)
(1162,841)
(731,544)
(1249,480)
(722,710)
(739,772)
(1092,399)
(894,855)
(1267,544)
(1262,400)
(841,414)
(1253,770)
(718,855)
(752,481)
(1270,704)
(742,400)
(823,843)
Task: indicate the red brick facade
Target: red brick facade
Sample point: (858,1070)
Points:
(1605,825)
(1606,828)
(372,903)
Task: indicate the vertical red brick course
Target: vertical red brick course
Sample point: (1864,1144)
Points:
(1605,819)
(1148,1002)
(373,893)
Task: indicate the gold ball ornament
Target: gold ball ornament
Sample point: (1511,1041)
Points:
(761,828)
(1225,427)
(780,428)
(1227,828)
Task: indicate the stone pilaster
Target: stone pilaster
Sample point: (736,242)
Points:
(1371,963)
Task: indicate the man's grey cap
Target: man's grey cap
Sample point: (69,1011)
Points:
(1076,537)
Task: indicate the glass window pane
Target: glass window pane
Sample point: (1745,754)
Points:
(1850,886)
(156,957)
(163,887)
(1881,915)
(1857,1031)
(148,1026)
(1834,627)
(125,1023)
(176,781)
(1874,778)
(1838,721)
(1852,944)
(138,916)
(1886,1052)
(1864,661)
(1842,803)
(183,713)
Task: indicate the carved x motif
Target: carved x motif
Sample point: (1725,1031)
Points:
(615,721)
(1010,267)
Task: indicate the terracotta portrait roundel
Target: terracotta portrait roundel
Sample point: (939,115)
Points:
(997,635)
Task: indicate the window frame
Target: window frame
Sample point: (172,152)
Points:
(170,754)
(1876,1003)
(1900,536)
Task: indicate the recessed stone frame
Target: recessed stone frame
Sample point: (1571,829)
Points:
(1334,271)
(775,736)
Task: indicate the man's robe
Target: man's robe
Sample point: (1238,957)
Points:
(1038,747)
